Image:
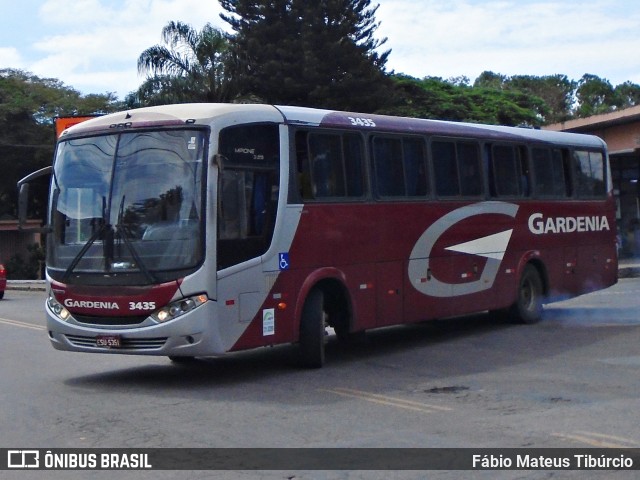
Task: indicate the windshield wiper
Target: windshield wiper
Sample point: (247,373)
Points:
(110,233)
(85,248)
(122,231)
(82,252)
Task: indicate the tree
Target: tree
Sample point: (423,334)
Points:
(491,80)
(595,96)
(511,108)
(45,98)
(191,68)
(28,105)
(435,98)
(556,91)
(430,97)
(553,95)
(318,54)
(628,94)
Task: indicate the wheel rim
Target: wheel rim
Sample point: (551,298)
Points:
(528,295)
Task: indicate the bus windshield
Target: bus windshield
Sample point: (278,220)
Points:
(127,206)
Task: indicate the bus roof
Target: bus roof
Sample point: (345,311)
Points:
(327,118)
(207,113)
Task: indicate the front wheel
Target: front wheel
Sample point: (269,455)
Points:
(528,306)
(312,331)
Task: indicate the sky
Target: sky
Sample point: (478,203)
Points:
(93,45)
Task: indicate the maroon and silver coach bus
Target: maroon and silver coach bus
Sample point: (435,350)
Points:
(195,230)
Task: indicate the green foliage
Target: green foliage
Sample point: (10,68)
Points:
(192,67)
(518,100)
(556,92)
(435,98)
(318,54)
(595,96)
(28,105)
(628,94)
(45,98)
(30,269)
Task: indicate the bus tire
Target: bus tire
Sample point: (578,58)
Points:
(528,306)
(312,330)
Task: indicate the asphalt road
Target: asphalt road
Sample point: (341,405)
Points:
(569,381)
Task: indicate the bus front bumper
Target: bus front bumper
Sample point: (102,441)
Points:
(193,334)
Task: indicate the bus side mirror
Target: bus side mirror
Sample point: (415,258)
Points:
(23,200)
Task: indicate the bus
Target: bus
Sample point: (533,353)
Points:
(199,229)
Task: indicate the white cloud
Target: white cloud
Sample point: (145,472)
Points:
(100,52)
(10,56)
(81,14)
(466,37)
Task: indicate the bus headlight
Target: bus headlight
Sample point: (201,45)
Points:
(178,308)
(58,309)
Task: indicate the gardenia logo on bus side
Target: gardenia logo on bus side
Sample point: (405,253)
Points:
(492,247)
(540,225)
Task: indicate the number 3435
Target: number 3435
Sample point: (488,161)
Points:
(362,122)
(142,305)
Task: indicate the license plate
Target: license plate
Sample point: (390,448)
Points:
(108,341)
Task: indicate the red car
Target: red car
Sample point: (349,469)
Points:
(3,280)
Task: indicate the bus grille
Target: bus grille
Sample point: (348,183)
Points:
(91,320)
(127,343)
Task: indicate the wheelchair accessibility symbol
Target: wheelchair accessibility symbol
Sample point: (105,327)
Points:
(284,261)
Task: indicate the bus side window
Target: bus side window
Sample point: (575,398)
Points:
(525,172)
(562,158)
(400,166)
(470,169)
(352,148)
(303,166)
(445,169)
(548,168)
(388,166)
(508,178)
(457,168)
(590,176)
(415,167)
(329,165)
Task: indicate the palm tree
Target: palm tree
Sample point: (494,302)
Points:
(192,67)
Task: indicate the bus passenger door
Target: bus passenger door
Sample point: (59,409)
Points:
(389,293)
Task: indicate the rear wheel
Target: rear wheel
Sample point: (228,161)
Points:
(528,306)
(312,331)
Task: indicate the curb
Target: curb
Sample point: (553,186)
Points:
(27,285)
(629,272)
